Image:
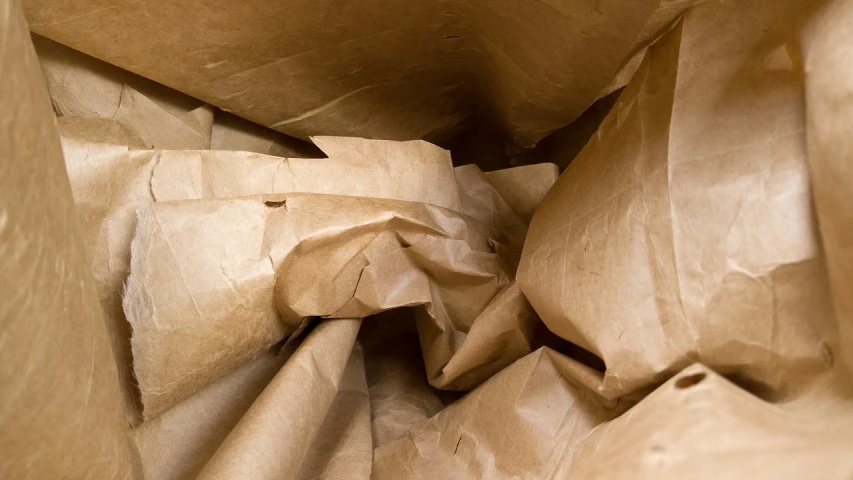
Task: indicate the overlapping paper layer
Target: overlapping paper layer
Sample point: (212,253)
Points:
(60,414)
(372,69)
(684,231)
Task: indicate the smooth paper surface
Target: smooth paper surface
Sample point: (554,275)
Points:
(371,69)
(829,116)
(61,414)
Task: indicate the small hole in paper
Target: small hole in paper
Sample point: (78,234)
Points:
(276,204)
(689,380)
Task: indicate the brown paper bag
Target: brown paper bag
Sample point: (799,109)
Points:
(696,247)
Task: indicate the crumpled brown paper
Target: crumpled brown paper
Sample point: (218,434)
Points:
(178,443)
(196,316)
(60,415)
(400,393)
(684,230)
(311,409)
(372,69)
(524,187)
(137,178)
(288,419)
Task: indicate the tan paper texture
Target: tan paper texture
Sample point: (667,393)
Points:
(400,393)
(134,177)
(82,86)
(522,423)
(274,436)
(343,448)
(110,182)
(371,69)
(85,87)
(524,187)
(230,132)
(699,425)
(61,414)
(684,230)
(829,109)
(290,257)
(178,443)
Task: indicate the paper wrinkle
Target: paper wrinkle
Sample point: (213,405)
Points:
(472,444)
(703,246)
(696,240)
(311,279)
(143,180)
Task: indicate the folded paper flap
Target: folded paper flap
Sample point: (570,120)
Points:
(828,88)
(230,132)
(481,200)
(524,187)
(501,333)
(62,413)
(87,130)
(697,415)
(343,447)
(84,87)
(414,171)
(238,305)
(682,258)
(179,442)
(437,63)
(256,444)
